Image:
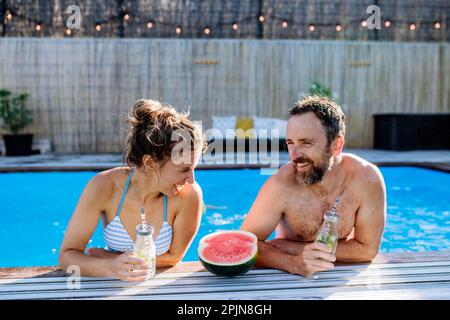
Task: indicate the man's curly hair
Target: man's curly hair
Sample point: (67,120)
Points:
(328,112)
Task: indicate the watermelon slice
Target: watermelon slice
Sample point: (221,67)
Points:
(228,253)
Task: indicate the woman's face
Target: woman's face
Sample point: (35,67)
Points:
(174,175)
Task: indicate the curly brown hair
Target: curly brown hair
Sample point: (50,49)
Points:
(152,128)
(327,110)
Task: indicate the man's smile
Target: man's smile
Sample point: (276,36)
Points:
(303,166)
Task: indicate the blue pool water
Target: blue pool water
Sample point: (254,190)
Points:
(36,207)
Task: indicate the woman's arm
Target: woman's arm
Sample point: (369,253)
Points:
(185,225)
(80,229)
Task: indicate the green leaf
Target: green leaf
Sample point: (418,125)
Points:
(4,93)
(320,90)
(16,116)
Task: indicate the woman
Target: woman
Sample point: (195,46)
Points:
(162,151)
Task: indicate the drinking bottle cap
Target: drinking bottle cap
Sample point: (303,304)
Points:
(144,230)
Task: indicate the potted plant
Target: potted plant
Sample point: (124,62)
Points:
(320,90)
(15,117)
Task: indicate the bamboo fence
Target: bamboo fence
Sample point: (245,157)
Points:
(81,89)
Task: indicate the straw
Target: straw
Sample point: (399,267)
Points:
(144,226)
(336,202)
(144,223)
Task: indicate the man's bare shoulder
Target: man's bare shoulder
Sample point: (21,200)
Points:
(285,175)
(361,171)
(280,184)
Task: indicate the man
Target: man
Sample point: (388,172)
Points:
(294,199)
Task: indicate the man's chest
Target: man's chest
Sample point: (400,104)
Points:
(304,215)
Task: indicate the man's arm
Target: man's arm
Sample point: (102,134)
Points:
(262,220)
(370,221)
(267,209)
(364,242)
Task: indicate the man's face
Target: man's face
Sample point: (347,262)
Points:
(308,147)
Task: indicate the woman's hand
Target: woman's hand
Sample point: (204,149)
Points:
(101,253)
(129,268)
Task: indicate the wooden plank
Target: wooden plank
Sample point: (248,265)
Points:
(41,283)
(176,282)
(395,294)
(175,285)
(381,259)
(226,285)
(425,290)
(202,273)
(196,270)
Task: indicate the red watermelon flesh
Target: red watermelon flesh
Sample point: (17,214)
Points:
(229,248)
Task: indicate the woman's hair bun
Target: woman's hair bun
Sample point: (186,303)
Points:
(151,126)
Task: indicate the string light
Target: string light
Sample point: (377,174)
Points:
(235,25)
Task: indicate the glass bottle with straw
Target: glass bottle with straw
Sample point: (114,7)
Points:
(144,246)
(328,232)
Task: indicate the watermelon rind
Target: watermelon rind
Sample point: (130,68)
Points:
(228,269)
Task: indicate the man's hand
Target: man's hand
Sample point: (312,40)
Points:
(313,257)
(288,246)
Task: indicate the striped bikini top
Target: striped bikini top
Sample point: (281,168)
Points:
(118,239)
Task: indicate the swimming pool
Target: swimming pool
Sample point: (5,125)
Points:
(36,207)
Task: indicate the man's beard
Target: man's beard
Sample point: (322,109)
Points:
(315,172)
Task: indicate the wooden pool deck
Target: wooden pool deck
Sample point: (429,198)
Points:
(393,276)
